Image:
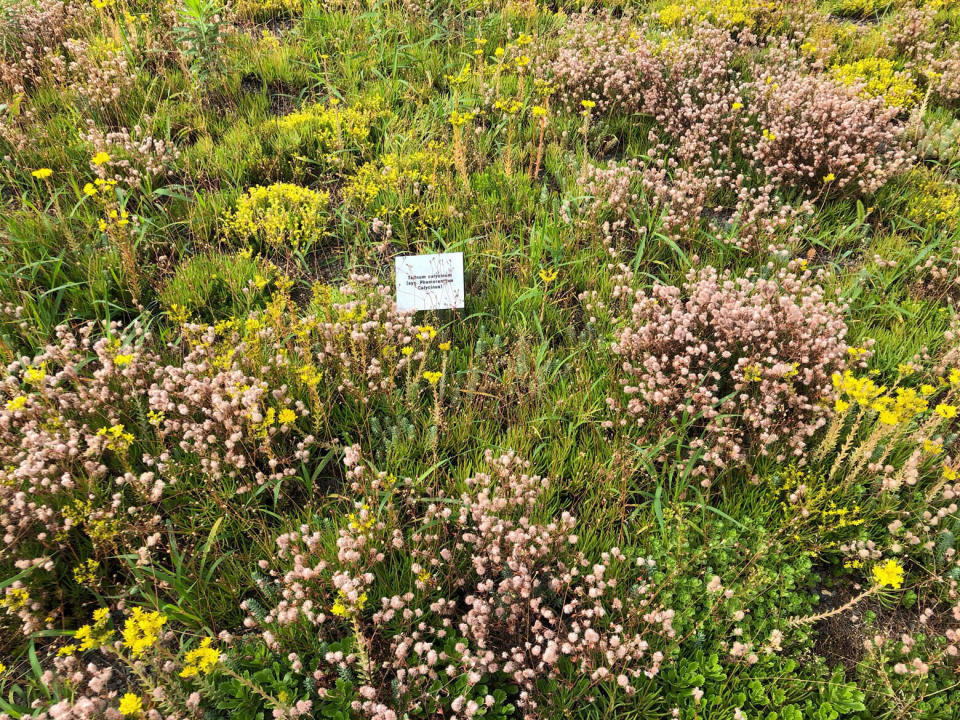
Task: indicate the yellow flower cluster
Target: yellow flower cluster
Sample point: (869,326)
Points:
(396,173)
(15,599)
(130,704)
(86,572)
(98,185)
(118,439)
(258,10)
(934,201)
(331,125)
(200,660)
(341,607)
(96,634)
(142,630)
(729,13)
(358,525)
(880,78)
(860,390)
(281,215)
(35,374)
(890,574)
(904,405)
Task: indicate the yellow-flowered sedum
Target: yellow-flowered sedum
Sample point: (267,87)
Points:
(200,660)
(97,634)
(258,10)
(117,438)
(142,630)
(879,78)
(728,13)
(903,405)
(890,574)
(397,173)
(342,608)
(281,215)
(932,201)
(130,704)
(332,126)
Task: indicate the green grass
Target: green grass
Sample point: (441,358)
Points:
(530,367)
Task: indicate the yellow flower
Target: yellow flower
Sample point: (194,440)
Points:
(538,111)
(100,158)
(932,447)
(671,14)
(737,105)
(946,411)
(432,377)
(949,473)
(94,636)
(118,438)
(548,276)
(829,178)
(889,574)
(3,669)
(954,376)
(66,650)
(407,350)
(444,346)
(42,173)
(423,575)
(130,704)
(458,119)
(841,405)
(89,189)
(286,416)
(427,332)
(86,573)
(121,360)
(768,135)
(588,104)
(17,403)
(35,374)
(342,610)
(200,660)
(141,630)
(927,390)
(888,417)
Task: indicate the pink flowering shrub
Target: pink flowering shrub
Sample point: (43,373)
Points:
(817,135)
(608,61)
(946,73)
(745,361)
(96,432)
(494,597)
(31,29)
(739,127)
(100,434)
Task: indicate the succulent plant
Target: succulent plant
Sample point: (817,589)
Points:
(939,139)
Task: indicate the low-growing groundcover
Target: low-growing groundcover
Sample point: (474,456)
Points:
(689,451)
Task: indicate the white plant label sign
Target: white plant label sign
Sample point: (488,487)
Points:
(430,282)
